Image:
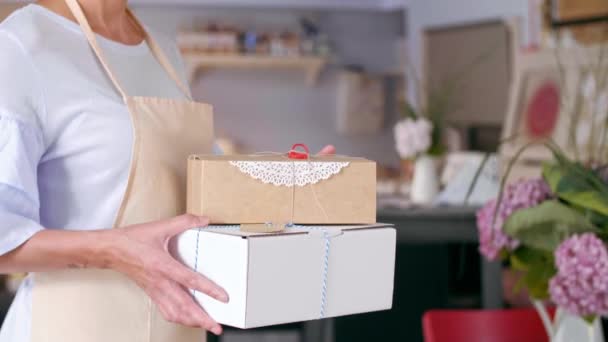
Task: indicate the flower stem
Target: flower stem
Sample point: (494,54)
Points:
(476,177)
(544,317)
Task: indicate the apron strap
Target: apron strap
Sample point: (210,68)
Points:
(157,51)
(161,57)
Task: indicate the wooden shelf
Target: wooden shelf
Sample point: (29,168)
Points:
(199,62)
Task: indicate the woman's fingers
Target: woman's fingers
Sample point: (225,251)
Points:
(163,231)
(327,150)
(200,317)
(182,223)
(208,323)
(193,280)
(177,306)
(144,256)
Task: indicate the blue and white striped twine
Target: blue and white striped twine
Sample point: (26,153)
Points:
(327,245)
(198,234)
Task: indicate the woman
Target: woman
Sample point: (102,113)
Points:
(95,126)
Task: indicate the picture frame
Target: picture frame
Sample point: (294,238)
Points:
(577,12)
(533,71)
(450,49)
(543,65)
(536,79)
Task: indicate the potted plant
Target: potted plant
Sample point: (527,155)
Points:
(422,132)
(414,141)
(554,229)
(420,138)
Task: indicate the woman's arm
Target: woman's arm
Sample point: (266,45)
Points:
(141,252)
(57,249)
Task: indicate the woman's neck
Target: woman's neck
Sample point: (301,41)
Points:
(108,18)
(104,11)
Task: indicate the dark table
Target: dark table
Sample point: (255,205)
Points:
(442,225)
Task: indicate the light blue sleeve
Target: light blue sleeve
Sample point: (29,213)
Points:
(21,145)
(20,150)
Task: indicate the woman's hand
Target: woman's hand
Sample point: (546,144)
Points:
(142,253)
(327,150)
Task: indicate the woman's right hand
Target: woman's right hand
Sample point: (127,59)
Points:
(142,253)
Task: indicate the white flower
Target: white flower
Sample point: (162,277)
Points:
(601,107)
(412,136)
(588,87)
(567,40)
(583,131)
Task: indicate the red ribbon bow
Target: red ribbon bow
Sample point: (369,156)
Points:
(295,154)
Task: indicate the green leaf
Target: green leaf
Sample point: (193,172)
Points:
(552,174)
(537,267)
(577,185)
(436,150)
(589,319)
(409,111)
(523,258)
(588,199)
(503,254)
(598,220)
(545,226)
(519,285)
(537,281)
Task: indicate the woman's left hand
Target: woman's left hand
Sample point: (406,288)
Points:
(327,150)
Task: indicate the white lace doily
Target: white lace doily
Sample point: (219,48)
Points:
(286,173)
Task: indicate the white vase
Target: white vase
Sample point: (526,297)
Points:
(574,329)
(569,328)
(425,184)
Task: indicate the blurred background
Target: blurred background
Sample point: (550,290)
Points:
(427,88)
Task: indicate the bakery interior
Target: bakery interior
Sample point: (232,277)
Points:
(432,90)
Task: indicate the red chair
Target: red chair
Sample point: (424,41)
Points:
(513,325)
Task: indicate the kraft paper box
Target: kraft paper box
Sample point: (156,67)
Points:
(304,273)
(258,189)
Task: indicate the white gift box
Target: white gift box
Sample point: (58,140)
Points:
(300,274)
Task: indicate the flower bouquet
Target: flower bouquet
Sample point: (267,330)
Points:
(413,139)
(419,143)
(554,231)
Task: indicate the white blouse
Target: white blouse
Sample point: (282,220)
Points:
(65,134)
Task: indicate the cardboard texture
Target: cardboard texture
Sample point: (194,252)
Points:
(262,228)
(225,194)
(278,278)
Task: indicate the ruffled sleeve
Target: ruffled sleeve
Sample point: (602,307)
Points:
(21,145)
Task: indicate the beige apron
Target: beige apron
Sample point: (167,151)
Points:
(103,305)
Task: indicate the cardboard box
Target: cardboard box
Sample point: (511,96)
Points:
(302,274)
(258,189)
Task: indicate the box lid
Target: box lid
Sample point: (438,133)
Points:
(298,229)
(277,157)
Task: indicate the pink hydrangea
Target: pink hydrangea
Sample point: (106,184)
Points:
(520,195)
(492,241)
(581,283)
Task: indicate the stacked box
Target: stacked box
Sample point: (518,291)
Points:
(290,240)
(260,189)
